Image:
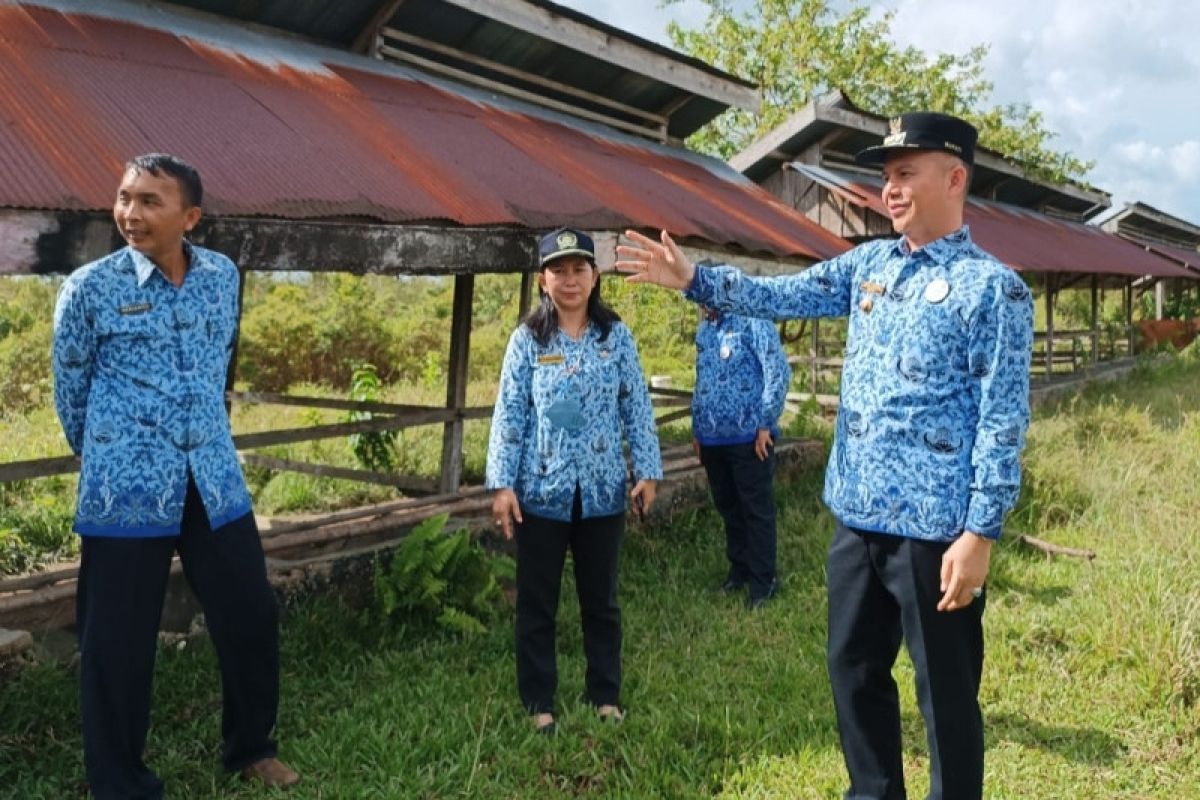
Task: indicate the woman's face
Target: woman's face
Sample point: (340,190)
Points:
(569,281)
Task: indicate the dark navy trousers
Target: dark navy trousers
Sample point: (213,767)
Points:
(741,488)
(122,583)
(884,589)
(595,544)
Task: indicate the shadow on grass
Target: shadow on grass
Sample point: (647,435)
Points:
(1081,745)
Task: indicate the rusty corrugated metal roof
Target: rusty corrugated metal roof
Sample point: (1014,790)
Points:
(1029,241)
(1189,258)
(291,130)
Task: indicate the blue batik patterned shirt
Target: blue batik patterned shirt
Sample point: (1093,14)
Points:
(742,377)
(561,414)
(935,388)
(139,384)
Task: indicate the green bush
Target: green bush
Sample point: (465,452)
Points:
(442,578)
(26,311)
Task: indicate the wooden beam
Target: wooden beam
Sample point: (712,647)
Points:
(495,66)
(38,468)
(231,367)
(752,264)
(602,45)
(368,37)
(407,483)
(655,133)
(48,242)
(1049,325)
(1095,320)
(523,306)
(456,386)
(271,398)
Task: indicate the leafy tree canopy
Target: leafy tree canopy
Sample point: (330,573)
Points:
(796,50)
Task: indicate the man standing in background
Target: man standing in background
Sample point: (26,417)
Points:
(742,377)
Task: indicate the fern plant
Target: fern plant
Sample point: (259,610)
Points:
(444,578)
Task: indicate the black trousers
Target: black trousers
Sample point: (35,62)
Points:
(881,589)
(595,545)
(122,582)
(741,487)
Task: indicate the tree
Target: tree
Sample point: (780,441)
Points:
(795,50)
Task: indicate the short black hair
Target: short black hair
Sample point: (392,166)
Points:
(184,173)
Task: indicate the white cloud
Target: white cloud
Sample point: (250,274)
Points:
(1119,82)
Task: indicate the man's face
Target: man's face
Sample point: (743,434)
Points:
(923,193)
(152,214)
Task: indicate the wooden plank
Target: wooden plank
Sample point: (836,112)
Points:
(35,580)
(495,66)
(666,391)
(398,409)
(524,304)
(368,38)
(231,367)
(249,441)
(50,242)
(273,527)
(683,413)
(409,483)
(456,386)
(604,46)
(38,468)
(529,97)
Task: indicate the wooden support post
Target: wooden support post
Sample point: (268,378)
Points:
(1127,294)
(1095,320)
(526,299)
(231,369)
(1049,325)
(816,355)
(456,387)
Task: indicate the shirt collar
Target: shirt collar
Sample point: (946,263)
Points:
(144,267)
(940,251)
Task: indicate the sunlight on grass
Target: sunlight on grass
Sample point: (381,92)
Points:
(1091,684)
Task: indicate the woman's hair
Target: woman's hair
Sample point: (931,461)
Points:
(542,321)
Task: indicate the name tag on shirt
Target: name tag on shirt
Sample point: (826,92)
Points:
(136,308)
(552,358)
(871,288)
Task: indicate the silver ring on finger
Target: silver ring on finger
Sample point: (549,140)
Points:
(977,592)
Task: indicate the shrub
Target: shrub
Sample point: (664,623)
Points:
(443,578)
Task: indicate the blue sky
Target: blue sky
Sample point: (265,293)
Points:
(1119,82)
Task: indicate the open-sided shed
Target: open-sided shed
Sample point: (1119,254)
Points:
(1037,227)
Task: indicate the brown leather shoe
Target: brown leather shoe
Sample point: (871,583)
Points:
(271,772)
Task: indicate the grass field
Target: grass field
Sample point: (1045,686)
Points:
(1091,685)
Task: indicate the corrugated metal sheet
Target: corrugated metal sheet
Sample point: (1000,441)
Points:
(1189,258)
(291,130)
(1029,241)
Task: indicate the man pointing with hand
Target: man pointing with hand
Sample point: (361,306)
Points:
(925,459)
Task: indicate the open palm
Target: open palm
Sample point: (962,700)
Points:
(661,263)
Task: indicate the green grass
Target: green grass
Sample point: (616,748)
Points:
(1091,684)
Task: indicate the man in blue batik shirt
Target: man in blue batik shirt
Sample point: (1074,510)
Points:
(925,459)
(142,342)
(742,377)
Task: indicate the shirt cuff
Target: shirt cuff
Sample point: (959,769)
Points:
(985,516)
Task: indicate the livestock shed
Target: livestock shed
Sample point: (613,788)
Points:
(1164,235)
(1038,228)
(433,137)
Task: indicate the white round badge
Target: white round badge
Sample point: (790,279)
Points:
(936,290)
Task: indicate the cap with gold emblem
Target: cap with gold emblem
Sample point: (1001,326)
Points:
(566,242)
(925,130)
